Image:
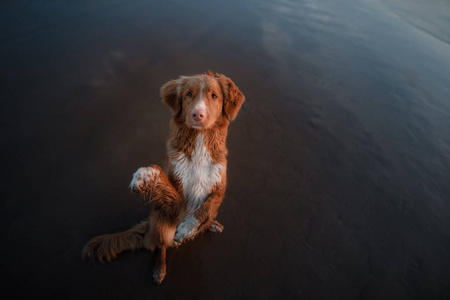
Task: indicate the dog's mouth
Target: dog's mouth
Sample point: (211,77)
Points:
(201,124)
(197,126)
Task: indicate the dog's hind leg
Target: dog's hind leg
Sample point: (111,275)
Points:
(162,233)
(159,270)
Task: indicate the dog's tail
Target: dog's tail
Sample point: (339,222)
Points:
(108,246)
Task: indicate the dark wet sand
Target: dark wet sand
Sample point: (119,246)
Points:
(339,165)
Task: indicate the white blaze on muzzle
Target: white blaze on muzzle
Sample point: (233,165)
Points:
(201,103)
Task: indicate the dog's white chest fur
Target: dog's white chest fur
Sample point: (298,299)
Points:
(198,175)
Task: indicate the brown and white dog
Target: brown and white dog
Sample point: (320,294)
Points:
(186,196)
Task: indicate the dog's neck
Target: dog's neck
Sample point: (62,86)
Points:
(183,138)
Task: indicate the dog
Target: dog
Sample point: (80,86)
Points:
(186,195)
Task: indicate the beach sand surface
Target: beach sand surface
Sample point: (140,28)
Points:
(339,164)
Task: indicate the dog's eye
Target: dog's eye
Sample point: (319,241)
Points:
(214,96)
(189,94)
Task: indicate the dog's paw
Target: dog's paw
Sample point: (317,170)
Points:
(158,276)
(143,178)
(215,227)
(186,229)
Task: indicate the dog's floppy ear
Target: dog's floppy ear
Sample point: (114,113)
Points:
(171,96)
(233,97)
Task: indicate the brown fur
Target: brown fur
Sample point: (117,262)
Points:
(222,100)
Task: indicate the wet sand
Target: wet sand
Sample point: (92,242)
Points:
(339,164)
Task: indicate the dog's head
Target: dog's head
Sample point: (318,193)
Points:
(201,101)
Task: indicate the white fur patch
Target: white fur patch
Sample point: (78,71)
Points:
(143,177)
(201,103)
(198,175)
(186,228)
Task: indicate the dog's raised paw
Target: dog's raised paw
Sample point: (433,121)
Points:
(143,178)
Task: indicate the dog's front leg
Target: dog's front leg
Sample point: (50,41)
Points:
(151,181)
(186,229)
(144,179)
(201,219)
